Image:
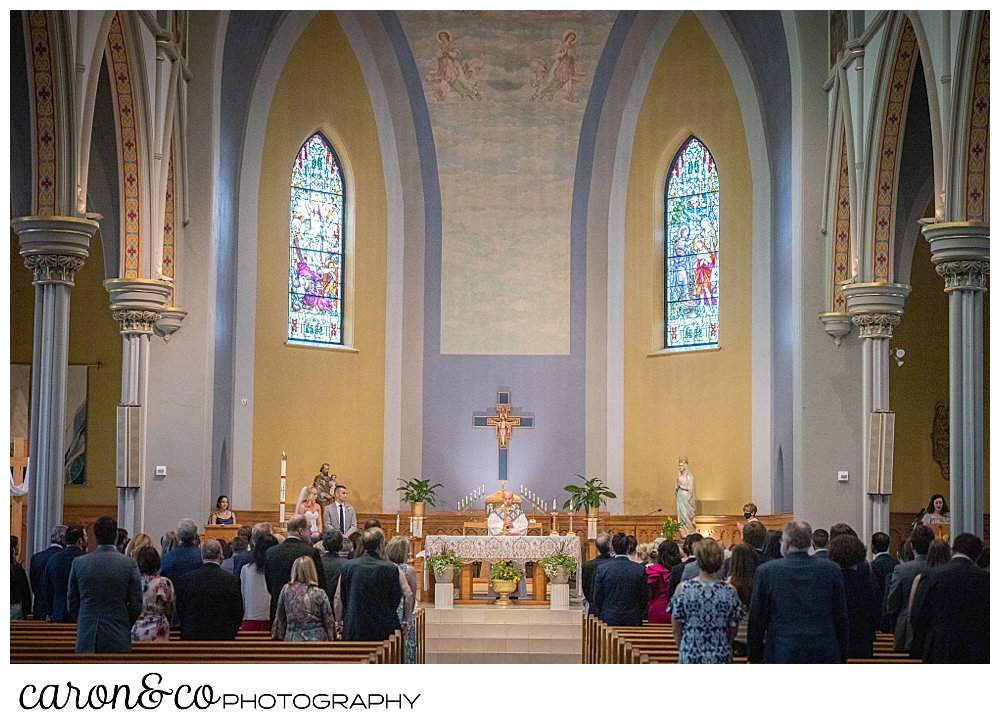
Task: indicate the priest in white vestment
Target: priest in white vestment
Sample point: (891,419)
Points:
(508,519)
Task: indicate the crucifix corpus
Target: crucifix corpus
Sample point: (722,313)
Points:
(504,423)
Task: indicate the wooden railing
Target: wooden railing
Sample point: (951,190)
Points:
(654,644)
(36,642)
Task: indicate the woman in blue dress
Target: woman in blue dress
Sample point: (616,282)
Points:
(705,611)
(397,551)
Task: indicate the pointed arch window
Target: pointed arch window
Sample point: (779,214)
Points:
(691,249)
(316,246)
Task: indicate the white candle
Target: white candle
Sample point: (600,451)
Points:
(282,497)
(553,504)
(397,522)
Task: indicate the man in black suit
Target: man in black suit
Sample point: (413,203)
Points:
(278,567)
(369,593)
(677,572)
(55,580)
(951,609)
(209,600)
(755,535)
(333,541)
(620,591)
(820,541)
(798,611)
(898,597)
(42,606)
(882,566)
(589,569)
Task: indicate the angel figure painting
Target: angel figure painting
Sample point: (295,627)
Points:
(560,72)
(452,75)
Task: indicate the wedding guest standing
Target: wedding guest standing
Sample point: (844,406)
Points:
(158,599)
(303,609)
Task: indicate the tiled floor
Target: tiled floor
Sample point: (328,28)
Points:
(479,634)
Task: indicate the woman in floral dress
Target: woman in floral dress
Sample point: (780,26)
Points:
(158,599)
(304,612)
(397,551)
(705,611)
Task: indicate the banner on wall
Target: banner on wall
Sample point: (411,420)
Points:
(75,431)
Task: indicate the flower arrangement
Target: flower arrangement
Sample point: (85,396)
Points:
(557,560)
(505,571)
(442,560)
(670,528)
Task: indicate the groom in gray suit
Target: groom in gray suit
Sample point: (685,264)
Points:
(339,514)
(105,594)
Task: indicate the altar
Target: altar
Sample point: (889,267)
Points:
(519,549)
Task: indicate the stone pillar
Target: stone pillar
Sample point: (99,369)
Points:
(54,248)
(136,305)
(961,253)
(875,309)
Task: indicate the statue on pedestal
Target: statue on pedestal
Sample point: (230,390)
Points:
(685,498)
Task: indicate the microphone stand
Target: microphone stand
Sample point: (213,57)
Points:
(635,528)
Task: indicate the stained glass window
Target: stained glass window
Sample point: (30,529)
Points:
(316,250)
(691,248)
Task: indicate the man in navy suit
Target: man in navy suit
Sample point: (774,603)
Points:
(798,611)
(882,567)
(42,606)
(620,591)
(55,581)
(951,609)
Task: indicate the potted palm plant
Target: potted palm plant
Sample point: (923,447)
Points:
(559,566)
(417,493)
(589,495)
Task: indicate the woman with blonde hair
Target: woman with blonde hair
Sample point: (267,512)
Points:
(397,550)
(138,543)
(303,612)
(311,510)
(169,541)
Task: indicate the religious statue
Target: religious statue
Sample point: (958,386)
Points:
(324,484)
(685,498)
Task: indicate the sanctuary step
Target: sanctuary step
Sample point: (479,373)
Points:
(503,635)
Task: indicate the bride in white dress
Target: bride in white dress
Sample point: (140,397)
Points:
(311,510)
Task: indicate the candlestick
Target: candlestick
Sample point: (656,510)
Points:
(281,504)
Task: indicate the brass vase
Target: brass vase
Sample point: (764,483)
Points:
(504,588)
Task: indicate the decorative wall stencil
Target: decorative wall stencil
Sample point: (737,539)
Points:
(506,94)
(940,439)
(838,34)
(898,83)
(128,159)
(42,89)
(842,229)
(979,128)
(169,235)
(75,435)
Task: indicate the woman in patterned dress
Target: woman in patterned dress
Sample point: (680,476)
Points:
(705,611)
(158,599)
(397,551)
(304,612)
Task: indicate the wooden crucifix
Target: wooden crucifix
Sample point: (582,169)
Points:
(504,423)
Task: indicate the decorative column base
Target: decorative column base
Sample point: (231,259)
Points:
(961,254)
(54,248)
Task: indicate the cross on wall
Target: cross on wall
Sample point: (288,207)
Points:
(504,423)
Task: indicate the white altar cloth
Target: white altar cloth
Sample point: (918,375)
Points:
(517,548)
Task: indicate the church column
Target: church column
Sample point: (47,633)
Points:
(875,309)
(53,247)
(961,253)
(136,305)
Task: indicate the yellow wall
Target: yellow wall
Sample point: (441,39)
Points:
(93,338)
(317,404)
(693,404)
(921,382)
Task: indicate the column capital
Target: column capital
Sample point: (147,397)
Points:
(54,247)
(137,303)
(875,307)
(960,251)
